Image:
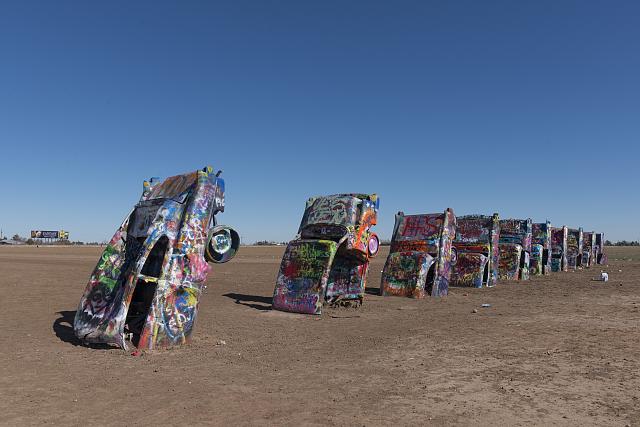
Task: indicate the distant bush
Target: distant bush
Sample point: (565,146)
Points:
(622,243)
(269,243)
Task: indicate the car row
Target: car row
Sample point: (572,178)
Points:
(145,289)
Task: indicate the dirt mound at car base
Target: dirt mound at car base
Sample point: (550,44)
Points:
(553,347)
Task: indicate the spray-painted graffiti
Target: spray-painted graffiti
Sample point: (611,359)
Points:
(536,267)
(303,275)
(588,248)
(574,248)
(421,255)
(145,289)
(510,258)
(476,244)
(329,259)
(541,257)
(559,248)
(515,248)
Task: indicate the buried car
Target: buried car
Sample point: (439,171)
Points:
(515,249)
(421,255)
(574,248)
(329,258)
(600,256)
(540,248)
(145,289)
(588,248)
(559,248)
(476,244)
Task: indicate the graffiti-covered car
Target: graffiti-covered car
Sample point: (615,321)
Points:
(329,258)
(540,249)
(559,248)
(421,255)
(588,248)
(574,248)
(145,289)
(476,244)
(600,256)
(515,249)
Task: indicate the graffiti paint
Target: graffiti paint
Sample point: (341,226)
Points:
(421,255)
(476,245)
(536,266)
(328,260)
(541,257)
(588,248)
(574,248)
(559,248)
(145,289)
(515,248)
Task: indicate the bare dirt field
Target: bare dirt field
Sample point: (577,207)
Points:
(561,350)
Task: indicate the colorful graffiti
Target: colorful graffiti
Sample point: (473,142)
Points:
(476,245)
(328,260)
(588,248)
(541,257)
(515,249)
(559,248)
(536,266)
(421,255)
(145,289)
(574,248)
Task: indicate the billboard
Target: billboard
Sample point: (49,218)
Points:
(49,234)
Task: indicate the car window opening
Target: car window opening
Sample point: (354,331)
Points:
(145,290)
(485,274)
(428,284)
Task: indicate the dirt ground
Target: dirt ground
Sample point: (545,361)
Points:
(562,350)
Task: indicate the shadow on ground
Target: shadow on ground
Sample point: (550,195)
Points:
(251,300)
(63,328)
(372,291)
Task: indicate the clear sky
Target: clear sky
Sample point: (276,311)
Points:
(529,109)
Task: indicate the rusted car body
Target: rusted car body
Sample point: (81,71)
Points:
(476,245)
(601,257)
(329,258)
(540,248)
(421,255)
(588,248)
(574,248)
(559,248)
(144,292)
(515,249)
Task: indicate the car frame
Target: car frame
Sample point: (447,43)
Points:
(145,289)
(478,254)
(588,249)
(600,256)
(540,248)
(421,255)
(515,249)
(574,248)
(559,248)
(328,260)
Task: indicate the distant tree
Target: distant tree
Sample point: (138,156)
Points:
(16,237)
(608,243)
(30,241)
(623,243)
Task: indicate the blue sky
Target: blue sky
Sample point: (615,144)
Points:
(529,109)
